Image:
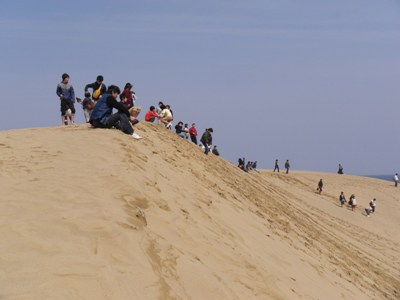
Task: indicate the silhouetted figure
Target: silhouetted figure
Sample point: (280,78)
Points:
(276,166)
(340,171)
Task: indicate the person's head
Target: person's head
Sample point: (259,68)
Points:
(193,124)
(161,104)
(215,146)
(114,91)
(180,123)
(167,106)
(210,130)
(87,94)
(128,86)
(65,78)
(122,97)
(99,79)
(152,108)
(135,111)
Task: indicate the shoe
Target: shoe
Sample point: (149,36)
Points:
(136,136)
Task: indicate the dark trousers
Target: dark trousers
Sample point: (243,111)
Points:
(117,120)
(194,139)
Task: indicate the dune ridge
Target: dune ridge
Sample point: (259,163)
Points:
(94,214)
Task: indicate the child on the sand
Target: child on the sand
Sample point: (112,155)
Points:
(342,199)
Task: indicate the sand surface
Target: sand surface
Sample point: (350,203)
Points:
(94,214)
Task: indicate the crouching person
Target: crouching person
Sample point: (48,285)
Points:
(102,116)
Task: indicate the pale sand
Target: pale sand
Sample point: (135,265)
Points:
(94,214)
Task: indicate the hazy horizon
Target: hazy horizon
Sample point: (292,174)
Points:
(313,82)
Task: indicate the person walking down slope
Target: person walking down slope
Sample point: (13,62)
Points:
(206,140)
(276,168)
(372,204)
(66,93)
(320,186)
(342,199)
(396,179)
(287,166)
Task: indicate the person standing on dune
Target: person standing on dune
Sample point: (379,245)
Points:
(66,93)
(320,186)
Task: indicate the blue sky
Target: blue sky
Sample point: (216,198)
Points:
(315,82)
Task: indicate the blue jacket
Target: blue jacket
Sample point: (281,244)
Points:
(66,90)
(101,110)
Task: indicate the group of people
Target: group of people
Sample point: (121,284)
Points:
(353,203)
(249,166)
(98,111)
(287,166)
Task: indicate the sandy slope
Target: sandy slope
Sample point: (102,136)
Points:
(94,214)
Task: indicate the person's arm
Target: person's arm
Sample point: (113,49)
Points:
(72,94)
(112,102)
(89,86)
(59,92)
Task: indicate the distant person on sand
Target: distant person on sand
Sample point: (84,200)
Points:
(255,166)
(98,87)
(340,171)
(206,139)
(102,116)
(151,115)
(276,166)
(166,118)
(287,166)
(179,129)
(352,202)
(342,199)
(193,133)
(372,204)
(320,186)
(241,163)
(215,151)
(368,211)
(66,93)
(396,179)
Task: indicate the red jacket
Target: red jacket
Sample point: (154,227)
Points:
(193,131)
(149,114)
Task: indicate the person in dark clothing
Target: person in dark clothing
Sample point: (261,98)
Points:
(276,166)
(102,116)
(130,96)
(206,140)
(241,163)
(215,151)
(340,171)
(287,166)
(98,87)
(179,129)
(320,186)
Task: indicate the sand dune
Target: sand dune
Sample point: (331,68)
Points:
(94,214)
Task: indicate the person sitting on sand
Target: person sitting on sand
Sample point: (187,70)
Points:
(151,115)
(215,150)
(179,129)
(102,116)
(342,199)
(241,163)
(340,171)
(87,106)
(320,186)
(166,118)
(368,211)
(134,112)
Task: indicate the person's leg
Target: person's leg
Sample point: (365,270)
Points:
(121,122)
(86,114)
(64,108)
